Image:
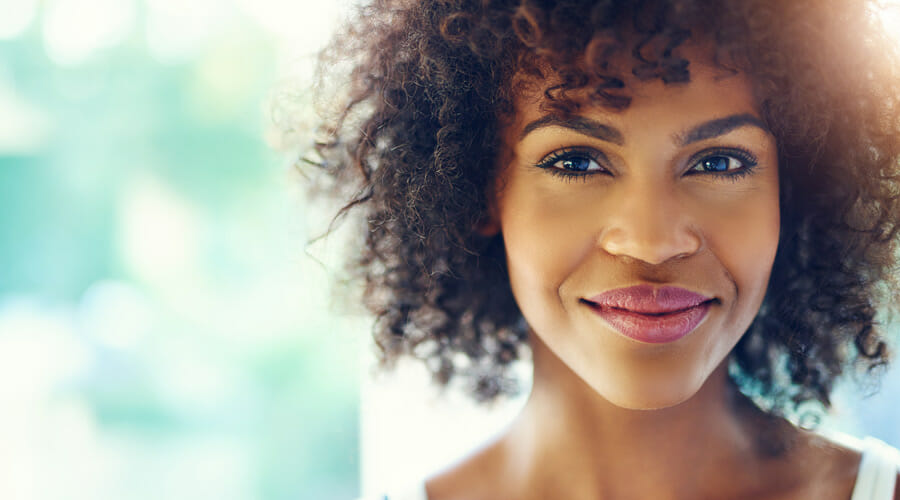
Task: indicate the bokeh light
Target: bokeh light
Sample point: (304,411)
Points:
(162,333)
(17,17)
(890,16)
(75,29)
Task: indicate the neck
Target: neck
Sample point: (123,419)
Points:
(568,429)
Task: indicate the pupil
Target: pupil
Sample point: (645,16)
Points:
(716,164)
(577,164)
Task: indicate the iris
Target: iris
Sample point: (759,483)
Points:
(578,164)
(715,164)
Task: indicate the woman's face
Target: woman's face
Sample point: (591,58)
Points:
(679,190)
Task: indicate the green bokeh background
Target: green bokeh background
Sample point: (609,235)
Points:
(162,332)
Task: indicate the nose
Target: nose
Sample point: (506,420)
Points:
(649,224)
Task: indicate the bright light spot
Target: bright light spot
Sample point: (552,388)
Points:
(224,81)
(39,352)
(179,30)
(436,428)
(24,128)
(75,29)
(305,27)
(17,17)
(73,438)
(890,16)
(158,233)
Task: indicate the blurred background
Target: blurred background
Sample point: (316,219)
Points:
(163,333)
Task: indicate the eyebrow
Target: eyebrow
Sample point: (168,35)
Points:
(579,124)
(593,128)
(719,126)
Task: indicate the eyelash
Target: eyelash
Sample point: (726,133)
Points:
(746,158)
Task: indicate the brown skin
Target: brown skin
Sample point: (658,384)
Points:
(608,416)
(648,214)
(551,453)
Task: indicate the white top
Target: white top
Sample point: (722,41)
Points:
(877,471)
(875,480)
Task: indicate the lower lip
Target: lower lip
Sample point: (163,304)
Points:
(653,328)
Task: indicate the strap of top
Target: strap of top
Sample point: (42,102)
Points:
(877,471)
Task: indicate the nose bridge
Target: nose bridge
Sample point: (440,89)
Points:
(649,222)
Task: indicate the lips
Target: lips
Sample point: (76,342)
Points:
(652,315)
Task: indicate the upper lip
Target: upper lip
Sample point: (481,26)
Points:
(648,299)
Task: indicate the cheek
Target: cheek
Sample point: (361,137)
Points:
(546,237)
(746,242)
(743,238)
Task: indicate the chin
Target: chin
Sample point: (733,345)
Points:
(656,397)
(647,404)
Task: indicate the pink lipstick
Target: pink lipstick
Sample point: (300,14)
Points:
(651,315)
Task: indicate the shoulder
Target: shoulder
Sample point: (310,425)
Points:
(825,466)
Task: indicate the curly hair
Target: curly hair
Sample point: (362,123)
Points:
(413,144)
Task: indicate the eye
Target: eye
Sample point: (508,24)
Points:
(718,163)
(729,163)
(572,162)
(577,164)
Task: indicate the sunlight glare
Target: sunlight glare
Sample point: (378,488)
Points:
(17,17)
(890,17)
(100,24)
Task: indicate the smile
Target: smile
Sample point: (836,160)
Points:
(653,328)
(649,315)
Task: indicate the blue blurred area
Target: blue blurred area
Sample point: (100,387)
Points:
(161,333)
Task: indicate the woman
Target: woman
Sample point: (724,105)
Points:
(685,211)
